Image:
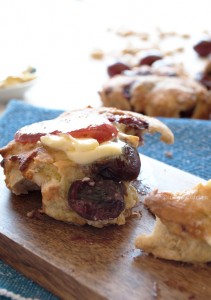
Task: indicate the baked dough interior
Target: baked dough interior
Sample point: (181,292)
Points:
(84,162)
(182,229)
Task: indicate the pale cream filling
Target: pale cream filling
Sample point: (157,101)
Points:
(82,150)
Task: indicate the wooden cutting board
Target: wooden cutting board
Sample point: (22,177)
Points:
(89,263)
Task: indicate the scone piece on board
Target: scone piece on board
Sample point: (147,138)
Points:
(182,229)
(84,162)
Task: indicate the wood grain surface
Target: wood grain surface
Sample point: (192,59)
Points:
(88,263)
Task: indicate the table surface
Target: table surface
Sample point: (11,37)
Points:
(57,37)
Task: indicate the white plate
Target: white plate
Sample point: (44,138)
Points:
(15,92)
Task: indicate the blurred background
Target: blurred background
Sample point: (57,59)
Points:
(70,42)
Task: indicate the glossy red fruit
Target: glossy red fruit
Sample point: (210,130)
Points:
(117,68)
(131,122)
(125,167)
(149,57)
(203,48)
(97,199)
(32,133)
(101,133)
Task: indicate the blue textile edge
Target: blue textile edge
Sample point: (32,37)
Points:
(191,151)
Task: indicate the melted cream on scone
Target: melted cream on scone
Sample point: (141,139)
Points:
(82,150)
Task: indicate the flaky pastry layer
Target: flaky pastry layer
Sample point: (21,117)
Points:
(182,229)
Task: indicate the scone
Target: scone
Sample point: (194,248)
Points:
(157,95)
(84,162)
(182,229)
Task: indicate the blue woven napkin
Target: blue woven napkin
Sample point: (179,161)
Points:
(191,152)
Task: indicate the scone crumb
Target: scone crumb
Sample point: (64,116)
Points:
(40,210)
(185,35)
(125,33)
(136,213)
(97,54)
(169,154)
(34,213)
(31,214)
(156,291)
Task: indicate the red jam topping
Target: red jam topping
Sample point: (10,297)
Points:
(101,133)
(78,126)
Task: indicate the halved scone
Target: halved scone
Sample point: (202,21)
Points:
(182,229)
(84,162)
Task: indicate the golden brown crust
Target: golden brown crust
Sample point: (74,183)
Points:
(164,244)
(155,96)
(183,225)
(32,166)
(186,212)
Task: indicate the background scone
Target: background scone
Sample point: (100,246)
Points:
(159,73)
(182,229)
(84,162)
(158,95)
